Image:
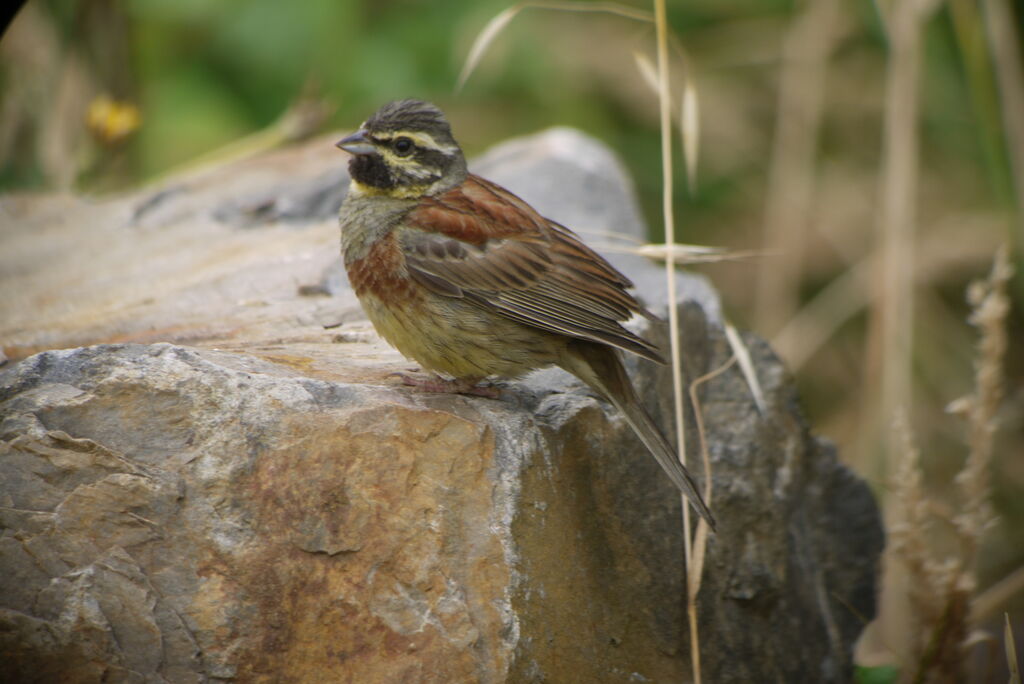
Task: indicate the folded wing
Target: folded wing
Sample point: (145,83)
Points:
(481,242)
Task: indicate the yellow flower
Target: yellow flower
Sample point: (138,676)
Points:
(112,121)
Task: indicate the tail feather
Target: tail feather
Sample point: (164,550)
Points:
(599,366)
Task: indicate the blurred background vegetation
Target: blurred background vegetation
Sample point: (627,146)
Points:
(99,96)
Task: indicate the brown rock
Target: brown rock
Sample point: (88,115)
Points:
(266,505)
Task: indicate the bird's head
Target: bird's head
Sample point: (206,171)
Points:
(405,149)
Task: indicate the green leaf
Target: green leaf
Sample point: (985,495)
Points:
(882,674)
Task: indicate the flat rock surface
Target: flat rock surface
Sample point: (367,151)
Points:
(207,471)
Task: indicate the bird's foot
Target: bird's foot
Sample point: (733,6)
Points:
(437,384)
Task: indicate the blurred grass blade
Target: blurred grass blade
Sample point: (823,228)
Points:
(794,181)
(1004,43)
(690,126)
(689,254)
(890,342)
(484,40)
(647,70)
(682,254)
(602,7)
(989,601)
(979,77)
(823,315)
(689,115)
(746,365)
(303,117)
(1011,651)
(502,19)
(679,251)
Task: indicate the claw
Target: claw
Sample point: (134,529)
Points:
(439,385)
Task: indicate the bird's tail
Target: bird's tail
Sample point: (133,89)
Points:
(599,366)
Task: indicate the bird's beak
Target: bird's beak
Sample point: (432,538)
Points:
(357,143)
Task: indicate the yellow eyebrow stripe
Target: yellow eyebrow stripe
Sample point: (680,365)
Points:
(420,138)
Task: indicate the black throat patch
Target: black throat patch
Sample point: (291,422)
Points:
(370,169)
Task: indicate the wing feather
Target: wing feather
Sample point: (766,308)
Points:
(481,242)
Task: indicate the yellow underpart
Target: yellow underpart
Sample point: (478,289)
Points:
(449,335)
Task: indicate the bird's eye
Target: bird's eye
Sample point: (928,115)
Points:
(403,146)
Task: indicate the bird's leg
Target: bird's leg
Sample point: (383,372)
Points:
(437,384)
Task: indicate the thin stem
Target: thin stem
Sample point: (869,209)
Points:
(665,110)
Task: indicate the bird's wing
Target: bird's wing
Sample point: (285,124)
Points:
(481,242)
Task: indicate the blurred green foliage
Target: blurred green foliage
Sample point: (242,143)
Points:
(883,674)
(205,73)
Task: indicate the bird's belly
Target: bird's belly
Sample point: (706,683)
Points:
(456,337)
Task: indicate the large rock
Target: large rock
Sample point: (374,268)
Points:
(225,484)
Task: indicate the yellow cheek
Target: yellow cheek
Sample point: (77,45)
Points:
(400,192)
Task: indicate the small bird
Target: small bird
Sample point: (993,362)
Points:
(468,280)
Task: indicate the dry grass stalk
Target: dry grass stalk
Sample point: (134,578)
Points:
(938,596)
(991,305)
(694,580)
(665,112)
(695,566)
(908,535)
(940,590)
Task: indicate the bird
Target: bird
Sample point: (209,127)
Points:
(471,282)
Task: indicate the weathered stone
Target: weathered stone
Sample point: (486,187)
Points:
(264,504)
